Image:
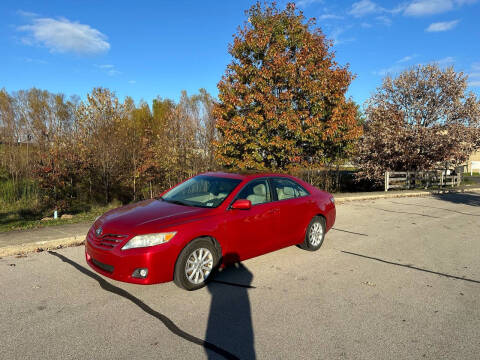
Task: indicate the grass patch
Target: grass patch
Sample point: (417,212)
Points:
(21,216)
(471,180)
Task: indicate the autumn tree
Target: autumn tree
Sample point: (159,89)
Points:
(418,121)
(10,135)
(75,153)
(282,99)
(99,120)
(207,130)
(135,133)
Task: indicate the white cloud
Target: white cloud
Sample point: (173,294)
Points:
(305,3)
(330,17)
(132,82)
(109,69)
(474,75)
(385,20)
(406,59)
(365,25)
(396,68)
(467,2)
(401,64)
(339,30)
(36,61)
(428,7)
(431,7)
(442,26)
(364,7)
(61,35)
(106,66)
(446,60)
(400,8)
(26,13)
(389,71)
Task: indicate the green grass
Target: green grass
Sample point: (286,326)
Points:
(471,180)
(20,208)
(21,216)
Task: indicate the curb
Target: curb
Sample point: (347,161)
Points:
(40,246)
(392,195)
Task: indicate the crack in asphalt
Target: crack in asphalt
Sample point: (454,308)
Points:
(411,267)
(438,208)
(350,232)
(404,212)
(169,324)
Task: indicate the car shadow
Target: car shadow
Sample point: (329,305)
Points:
(230,317)
(409,266)
(471,199)
(167,322)
(463,199)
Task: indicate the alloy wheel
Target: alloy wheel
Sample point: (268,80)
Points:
(199,265)
(316,234)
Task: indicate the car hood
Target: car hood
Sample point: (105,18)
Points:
(146,216)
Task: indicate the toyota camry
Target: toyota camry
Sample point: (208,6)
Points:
(206,222)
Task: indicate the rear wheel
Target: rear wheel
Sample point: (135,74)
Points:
(315,234)
(195,264)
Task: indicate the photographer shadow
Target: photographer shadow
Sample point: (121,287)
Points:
(230,318)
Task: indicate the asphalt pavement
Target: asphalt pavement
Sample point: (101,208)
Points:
(395,278)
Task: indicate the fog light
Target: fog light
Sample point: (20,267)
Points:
(140,273)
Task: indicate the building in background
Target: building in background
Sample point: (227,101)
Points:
(473,162)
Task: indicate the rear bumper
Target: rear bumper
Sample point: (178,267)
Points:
(120,264)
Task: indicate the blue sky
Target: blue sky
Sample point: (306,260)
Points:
(147,49)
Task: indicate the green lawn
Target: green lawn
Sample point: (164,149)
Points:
(471,180)
(20,216)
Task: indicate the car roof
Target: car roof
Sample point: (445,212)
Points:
(243,176)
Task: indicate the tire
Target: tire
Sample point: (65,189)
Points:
(316,227)
(189,258)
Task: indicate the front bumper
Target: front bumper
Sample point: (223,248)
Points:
(120,264)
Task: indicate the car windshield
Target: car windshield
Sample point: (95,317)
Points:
(202,191)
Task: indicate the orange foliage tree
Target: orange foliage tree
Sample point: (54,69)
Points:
(282,98)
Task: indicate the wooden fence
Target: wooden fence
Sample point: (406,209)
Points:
(419,179)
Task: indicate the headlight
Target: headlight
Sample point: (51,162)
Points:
(332,199)
(147,240)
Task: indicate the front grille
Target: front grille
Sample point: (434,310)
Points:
(104,267)
(106,241)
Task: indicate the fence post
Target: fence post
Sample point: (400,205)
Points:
(387,179)
(441,178)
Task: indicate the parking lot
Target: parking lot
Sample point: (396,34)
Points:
(395,278)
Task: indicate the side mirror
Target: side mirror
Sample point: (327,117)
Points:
(242,204)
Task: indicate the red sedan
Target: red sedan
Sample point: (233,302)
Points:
(206,222)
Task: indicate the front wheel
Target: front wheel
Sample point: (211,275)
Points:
(195,264)
(315,234)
